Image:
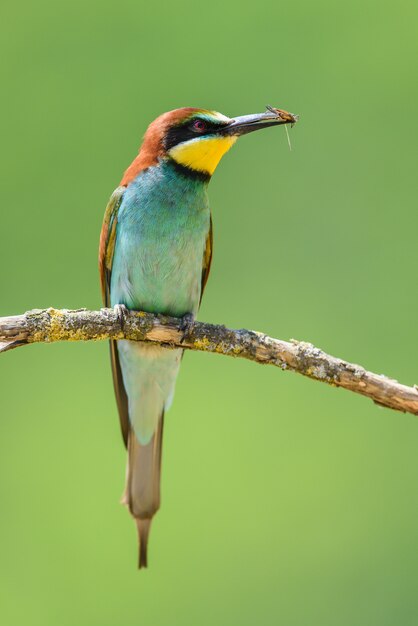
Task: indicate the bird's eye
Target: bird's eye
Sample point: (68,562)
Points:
(199,126)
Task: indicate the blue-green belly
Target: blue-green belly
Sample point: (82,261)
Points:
(163,224)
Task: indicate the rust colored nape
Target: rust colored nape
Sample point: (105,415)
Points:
(152,147)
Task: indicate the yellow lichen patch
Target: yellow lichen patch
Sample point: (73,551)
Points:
(80,335)
(201,344)
(37,337)
(53,325)
(56,331)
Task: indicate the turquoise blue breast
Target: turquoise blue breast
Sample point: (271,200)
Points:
(163,223)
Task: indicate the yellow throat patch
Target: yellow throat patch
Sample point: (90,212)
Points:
(203,153)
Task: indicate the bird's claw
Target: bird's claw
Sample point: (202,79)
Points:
(186,326)
(121,311)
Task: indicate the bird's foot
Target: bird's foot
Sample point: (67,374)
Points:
(121,311)
(187,324)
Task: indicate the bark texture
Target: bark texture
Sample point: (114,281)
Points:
(50,325)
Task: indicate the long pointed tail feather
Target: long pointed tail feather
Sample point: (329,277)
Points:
(142,493)
(148,376)
(143,527)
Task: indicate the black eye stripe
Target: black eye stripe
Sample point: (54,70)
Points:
(187,131)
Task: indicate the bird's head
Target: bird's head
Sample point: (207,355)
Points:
(197,139)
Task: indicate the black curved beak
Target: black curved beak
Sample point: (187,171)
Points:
(248,123)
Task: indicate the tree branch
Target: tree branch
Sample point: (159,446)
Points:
(50,325)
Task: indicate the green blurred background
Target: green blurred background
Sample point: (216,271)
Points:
(284,501)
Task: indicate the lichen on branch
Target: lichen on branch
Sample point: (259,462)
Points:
(51,325)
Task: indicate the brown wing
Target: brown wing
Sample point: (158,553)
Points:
(106,249)
(107,242)
(207,259)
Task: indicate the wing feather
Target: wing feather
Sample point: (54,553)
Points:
(207,259)
(106,250)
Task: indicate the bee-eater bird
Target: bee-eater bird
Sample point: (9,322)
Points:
(155,256)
